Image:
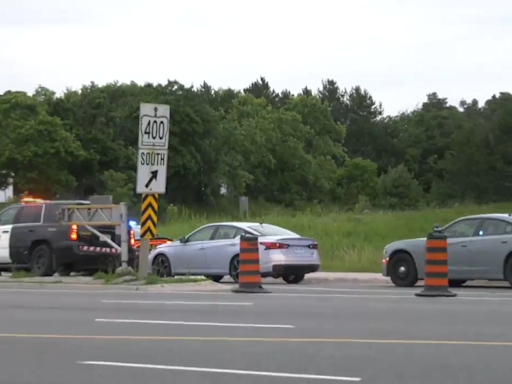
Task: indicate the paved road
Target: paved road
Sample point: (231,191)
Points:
(320,333)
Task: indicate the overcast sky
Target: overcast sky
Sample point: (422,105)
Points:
(399,50)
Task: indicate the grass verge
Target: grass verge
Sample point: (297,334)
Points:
(21,275)
(348,242)
(151,279)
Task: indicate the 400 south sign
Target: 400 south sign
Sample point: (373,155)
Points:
(153,149)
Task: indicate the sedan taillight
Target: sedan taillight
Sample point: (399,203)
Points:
(274,245)
(313,246)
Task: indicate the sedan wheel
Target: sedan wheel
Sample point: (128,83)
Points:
(456,283)
(402,270)
(234,267)
(162,266)
(216,279)
(293,279)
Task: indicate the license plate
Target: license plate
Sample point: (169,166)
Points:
(298,250)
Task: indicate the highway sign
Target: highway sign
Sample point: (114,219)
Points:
(152,171)
(154,126)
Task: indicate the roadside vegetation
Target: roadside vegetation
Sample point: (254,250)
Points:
(21,275)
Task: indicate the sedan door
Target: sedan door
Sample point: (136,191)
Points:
(194,252)
(224,245)
(493,244)
(461,245)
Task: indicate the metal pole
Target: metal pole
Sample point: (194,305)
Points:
(124,236)
(143,257)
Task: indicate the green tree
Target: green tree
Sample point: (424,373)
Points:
(36,148)
(357,178)
(397,189)
(328,146)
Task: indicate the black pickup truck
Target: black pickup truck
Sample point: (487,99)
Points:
(33,239)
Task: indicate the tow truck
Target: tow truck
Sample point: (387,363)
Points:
(32,238)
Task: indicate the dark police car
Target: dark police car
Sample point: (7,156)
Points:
(32,238)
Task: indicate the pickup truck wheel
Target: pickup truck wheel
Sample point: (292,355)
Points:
(41,261)
(162,266)
(402,270)
(112,264)
(108,265)
(64,270)
(293,279)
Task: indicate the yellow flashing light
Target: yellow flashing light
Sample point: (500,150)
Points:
(29,200)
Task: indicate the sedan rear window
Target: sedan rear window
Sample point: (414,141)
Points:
(271,230)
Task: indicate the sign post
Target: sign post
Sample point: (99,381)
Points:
(152,160)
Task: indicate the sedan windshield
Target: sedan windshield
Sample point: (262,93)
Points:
(271,230)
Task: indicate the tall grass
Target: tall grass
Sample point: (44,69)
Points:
(348,242)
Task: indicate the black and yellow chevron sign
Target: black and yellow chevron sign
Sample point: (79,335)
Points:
(149,216)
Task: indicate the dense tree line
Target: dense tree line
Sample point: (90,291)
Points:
(330,146)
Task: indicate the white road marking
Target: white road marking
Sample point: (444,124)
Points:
(336,289)
(193,323)
(177,302)
(215,370)
(484,298)
(396,290)
(405,294)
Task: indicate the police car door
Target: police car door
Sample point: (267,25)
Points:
(6,223)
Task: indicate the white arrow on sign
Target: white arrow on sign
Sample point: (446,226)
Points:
(154,126)
(152,171)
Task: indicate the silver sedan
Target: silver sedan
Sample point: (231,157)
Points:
(479,248)
(212,250)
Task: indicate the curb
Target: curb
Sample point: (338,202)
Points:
(98,284)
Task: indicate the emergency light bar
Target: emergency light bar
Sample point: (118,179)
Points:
(28,200)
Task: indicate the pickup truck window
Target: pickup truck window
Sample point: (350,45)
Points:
(7,215)
(30,214)
(51,213)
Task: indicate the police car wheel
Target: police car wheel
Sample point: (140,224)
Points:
(41,260)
